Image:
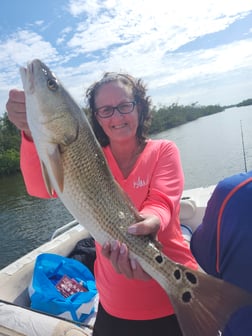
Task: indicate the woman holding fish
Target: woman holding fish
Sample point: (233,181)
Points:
(150,172)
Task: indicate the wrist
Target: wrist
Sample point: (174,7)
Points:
(27,135)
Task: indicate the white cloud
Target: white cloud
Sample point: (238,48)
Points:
(77,7)
(146,26)
(141,37)
(23,46)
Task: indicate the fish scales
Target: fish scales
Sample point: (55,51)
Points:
(97,194)
(74,166)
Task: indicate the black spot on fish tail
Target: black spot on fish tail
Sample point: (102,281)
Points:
(159,259)
(177,274)
(186,297)
(191,277)
(204,305)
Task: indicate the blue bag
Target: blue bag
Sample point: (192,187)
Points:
(49,293)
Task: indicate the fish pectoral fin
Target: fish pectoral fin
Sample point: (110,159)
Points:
(206,306)
(47,180)
(54,158)
(57,166)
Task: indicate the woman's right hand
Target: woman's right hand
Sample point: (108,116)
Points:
(16,110)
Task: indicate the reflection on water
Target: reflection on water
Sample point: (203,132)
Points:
(210,147)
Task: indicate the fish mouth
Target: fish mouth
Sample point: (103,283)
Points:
(28,74)
(27,77)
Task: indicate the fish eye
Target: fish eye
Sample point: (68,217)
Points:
(52,84)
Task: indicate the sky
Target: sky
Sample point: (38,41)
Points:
(185,51)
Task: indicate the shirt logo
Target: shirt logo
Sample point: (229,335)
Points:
(140,183)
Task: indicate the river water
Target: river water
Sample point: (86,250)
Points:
(210,147)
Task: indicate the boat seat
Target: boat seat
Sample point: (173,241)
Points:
(187,209)
(15,320)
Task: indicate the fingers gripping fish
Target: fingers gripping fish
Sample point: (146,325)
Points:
(74,166)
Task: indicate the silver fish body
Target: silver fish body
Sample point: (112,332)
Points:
(74,166)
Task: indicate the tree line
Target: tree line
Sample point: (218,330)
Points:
(163,118)
(166,117)
(9,147)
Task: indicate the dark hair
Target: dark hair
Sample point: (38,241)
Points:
(139,95)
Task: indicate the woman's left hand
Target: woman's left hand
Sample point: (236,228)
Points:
(118,253)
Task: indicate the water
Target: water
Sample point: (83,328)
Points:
(210,148)
(25,222)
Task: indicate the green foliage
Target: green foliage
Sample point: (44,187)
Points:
(166,117)
(9,147)
(245,102)
(9,162)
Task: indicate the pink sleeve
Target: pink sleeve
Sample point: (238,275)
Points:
(31,169)
(166,185)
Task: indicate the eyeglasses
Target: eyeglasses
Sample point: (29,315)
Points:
(108,111)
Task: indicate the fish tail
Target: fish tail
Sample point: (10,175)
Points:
(205,306)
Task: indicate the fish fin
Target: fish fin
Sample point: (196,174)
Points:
(54,157)
(47,180)
(205,307)
(57,166)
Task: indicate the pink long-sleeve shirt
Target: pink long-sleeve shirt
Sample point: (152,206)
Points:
(154,186)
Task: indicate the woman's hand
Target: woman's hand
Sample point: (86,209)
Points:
(16,109)
(118,252)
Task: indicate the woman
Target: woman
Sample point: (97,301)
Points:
(150,172)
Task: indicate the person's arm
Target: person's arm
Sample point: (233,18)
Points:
(204,239)
(166,186)
(31,169)
(29,161)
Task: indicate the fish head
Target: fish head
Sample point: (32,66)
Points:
(52,114)
(54,119)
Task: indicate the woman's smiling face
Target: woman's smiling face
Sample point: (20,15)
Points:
(118,127)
